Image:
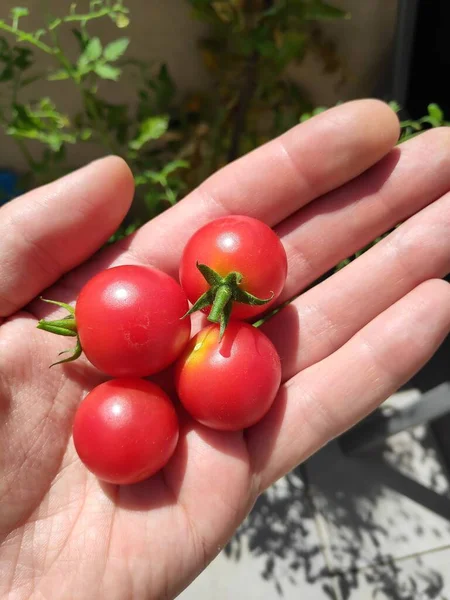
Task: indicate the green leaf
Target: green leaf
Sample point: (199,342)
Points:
(309,115)
(92,52)
(58,75)
(30,80)
(320,11)
(153,200)
(82,39)
(23,58)
(223,10)
(6,74)
(85,134)
(107,72)
(173,166)
(115,49)
(150,129)
(155,177)
(435,113)
(293,47)
(273,10)
(395,106)
(140,179)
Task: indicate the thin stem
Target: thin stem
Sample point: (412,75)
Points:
(23,36)
(103,12)
(103,134)
(61,57)
(222,297)
(250,79)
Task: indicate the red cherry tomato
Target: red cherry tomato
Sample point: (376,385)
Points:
(125,430)
(241,244)
(129,321)
(230,384)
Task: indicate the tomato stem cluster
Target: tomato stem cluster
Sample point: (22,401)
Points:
(66,326)
(222,293)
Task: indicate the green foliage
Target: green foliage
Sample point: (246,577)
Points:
(408,130)
(434,118)
(151,128)
(171,142)
(116,49)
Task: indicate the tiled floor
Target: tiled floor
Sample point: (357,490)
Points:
(344,529)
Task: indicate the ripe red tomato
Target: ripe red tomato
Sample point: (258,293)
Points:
(236,244)
(125,430)
(129,321)
(231,384)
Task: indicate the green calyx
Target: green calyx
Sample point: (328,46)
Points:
(222,293)
(66,326)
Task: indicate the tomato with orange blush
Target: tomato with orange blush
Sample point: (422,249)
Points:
(228,384)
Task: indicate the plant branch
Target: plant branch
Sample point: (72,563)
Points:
(245,97)
(23,36)
(84,18)
(250,77)
(103,133)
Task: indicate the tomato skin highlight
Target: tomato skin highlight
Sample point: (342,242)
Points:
(228,385)
(236,243)
(129,321)
(125,430)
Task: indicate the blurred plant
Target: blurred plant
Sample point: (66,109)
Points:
(170,143)
(128,131)
(249,54)
(408,129)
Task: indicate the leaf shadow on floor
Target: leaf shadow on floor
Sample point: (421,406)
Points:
(351,525)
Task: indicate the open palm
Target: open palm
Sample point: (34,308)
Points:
(328,187)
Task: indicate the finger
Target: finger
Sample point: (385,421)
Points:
(343,221)
(325,317)
(51,229)
(329,397)
(273,181)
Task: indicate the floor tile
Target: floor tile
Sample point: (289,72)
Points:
(249,579)
(364,516)
(277,552)
(425,577)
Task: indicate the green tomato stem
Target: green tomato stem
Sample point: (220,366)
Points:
(223,292)
(66,326)
(221,299)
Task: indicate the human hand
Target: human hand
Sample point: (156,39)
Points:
(328,187)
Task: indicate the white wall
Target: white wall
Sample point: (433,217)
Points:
(163,30)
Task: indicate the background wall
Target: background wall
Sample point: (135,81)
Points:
(163,30)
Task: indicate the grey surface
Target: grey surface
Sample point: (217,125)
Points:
(374,431)
(340,529)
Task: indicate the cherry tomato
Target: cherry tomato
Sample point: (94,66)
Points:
(125,430)
(129,321)
(230,384)
(236,244)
